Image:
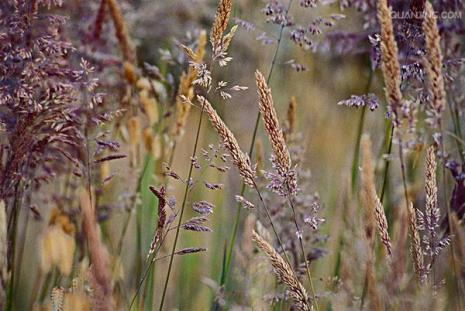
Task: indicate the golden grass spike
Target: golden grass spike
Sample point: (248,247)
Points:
(371,199)
(430,184)
(284,273)
(415,248)
(122,34)
(433,62)
(389,61)
(272,126)
(240,160)
(221,23)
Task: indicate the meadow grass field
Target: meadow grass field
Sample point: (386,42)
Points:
(232,155)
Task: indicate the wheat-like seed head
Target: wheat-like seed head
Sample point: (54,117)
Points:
(430,186)
(389,61)
(415,248)
(433,62)
(122,34)
(272,126)
(284,273)
(221,23)
(57,298)
(371,197)
(432,213)
(240,160)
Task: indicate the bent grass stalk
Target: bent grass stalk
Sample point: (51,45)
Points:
(232,240)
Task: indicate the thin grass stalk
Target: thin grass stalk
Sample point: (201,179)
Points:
(184,201)
(146,271)
(389,131)
(232,240)
(361,123)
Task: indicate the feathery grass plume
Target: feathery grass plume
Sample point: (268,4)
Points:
(291,118)
(3,253)
(185,88)
(272,127)
(240,159)
(389,61)
(370,197)
(98,254)
(433,65)
(284,273)
(415,248)
(429,222)
(220,24)
(122,34)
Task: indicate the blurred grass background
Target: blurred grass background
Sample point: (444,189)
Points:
(329,130)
